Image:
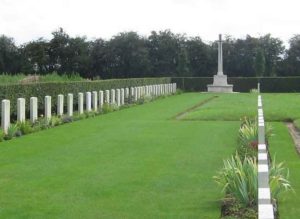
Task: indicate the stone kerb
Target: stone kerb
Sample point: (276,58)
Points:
(265,207)
(21,110)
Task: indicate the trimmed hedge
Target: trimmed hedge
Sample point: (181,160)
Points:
(242,84)
(40,90)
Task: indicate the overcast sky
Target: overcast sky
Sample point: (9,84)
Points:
(26,20)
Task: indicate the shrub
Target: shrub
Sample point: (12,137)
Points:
(11,132)
(1,135)
(279,179)
(55,121)
(67,119)
(238,178)
(41,124)
(242,84)
(248,137)
(25,127)
(40,90)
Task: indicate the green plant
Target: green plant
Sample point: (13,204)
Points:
(11,131)
(55,121)
(107,108)
(25,127)
(41,124)
(279,179)
(40,90)
(254,91)
(238,178)
(2,134)
(248,138)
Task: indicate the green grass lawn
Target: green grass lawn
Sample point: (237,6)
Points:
(230,107)
(134,163)
(140,162)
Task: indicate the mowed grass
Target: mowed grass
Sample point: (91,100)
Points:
(283,148)
(226,107)
(134,163)
(277,107)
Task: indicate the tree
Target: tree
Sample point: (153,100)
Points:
(292,64)
(10,59)
(164,49)
(273,49)
(127,56)
(201,59)
(260,63)
(35,53)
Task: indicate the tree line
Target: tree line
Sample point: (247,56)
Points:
(162,53)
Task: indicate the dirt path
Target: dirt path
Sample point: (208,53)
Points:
(184,113)
(295,133)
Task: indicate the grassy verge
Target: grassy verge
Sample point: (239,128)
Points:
(134,163)
(282,146)
(227,107)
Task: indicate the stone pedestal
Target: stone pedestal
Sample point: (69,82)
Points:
(220,85)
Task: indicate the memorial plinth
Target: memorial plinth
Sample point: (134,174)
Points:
(220,84)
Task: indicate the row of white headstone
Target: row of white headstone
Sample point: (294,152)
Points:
(265,207)
(93,101)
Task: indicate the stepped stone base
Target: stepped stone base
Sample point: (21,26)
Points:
(220,85)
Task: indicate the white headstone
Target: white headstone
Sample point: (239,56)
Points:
(107,97)
(60,105)
(135,93)
(21,110)
(80,103)
(132,95)
(70,104)
(122,96)
(112,96)
(95,100)
(48,107)
(101,99)
(126,92)
(33,109)
(88,101)
(5,115)
(118,97)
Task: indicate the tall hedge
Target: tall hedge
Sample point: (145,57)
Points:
(40,90)
(242,84)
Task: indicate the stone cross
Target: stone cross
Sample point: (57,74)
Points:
(220,56)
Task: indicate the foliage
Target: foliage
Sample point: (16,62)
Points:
(162,53)
(40,90)
(238,178)
(279,179)
(55,121)
(231,209)
(11,131)
(242,84)
(248,138)
(25,127)
(2,135)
